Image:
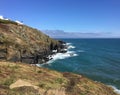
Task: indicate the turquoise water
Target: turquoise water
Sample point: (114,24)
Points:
(98,59)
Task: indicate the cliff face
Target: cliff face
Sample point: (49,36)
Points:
(24,79)
(22,43)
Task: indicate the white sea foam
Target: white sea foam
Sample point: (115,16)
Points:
(68,43)
(62,56)
(81,51)
(59,56)
(70,46)
(115,89)
(39,65)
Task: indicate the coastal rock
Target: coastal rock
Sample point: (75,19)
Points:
(19,42)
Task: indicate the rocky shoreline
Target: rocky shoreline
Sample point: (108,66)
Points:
(43,57)
(21,43)
(38,57)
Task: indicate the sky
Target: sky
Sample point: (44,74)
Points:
(86,16)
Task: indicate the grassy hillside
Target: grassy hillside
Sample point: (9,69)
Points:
(24,79)
(20,42)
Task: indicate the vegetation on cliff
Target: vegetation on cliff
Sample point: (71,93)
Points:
(19,42)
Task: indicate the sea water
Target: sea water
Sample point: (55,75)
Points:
(97,59)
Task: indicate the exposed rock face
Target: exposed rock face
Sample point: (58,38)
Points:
(22,43)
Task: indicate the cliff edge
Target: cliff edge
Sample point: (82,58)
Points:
(22,43)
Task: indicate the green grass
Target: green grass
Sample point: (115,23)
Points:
(7,22)
(46,80)
(25,90)
(45,85)
(39,71)
(59,80)
(8,82)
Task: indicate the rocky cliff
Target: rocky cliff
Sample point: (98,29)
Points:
(19,42)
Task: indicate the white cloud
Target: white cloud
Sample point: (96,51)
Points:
(18,22)
(1,17)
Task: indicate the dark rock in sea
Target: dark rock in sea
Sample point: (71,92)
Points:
(63,51)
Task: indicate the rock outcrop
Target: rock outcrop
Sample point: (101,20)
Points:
(19,42)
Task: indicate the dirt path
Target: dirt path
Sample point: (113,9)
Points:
(20,83)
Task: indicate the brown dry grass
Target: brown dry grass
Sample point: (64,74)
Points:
(47,82)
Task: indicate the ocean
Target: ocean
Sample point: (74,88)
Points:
(97,59)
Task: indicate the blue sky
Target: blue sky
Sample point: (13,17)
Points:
(68,15)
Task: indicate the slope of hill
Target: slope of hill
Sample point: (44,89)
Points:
(24,79)
(19,42)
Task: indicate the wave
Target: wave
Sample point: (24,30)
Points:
(70,46)
(115,89)
(62,56)
(68,43)
(81,51)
